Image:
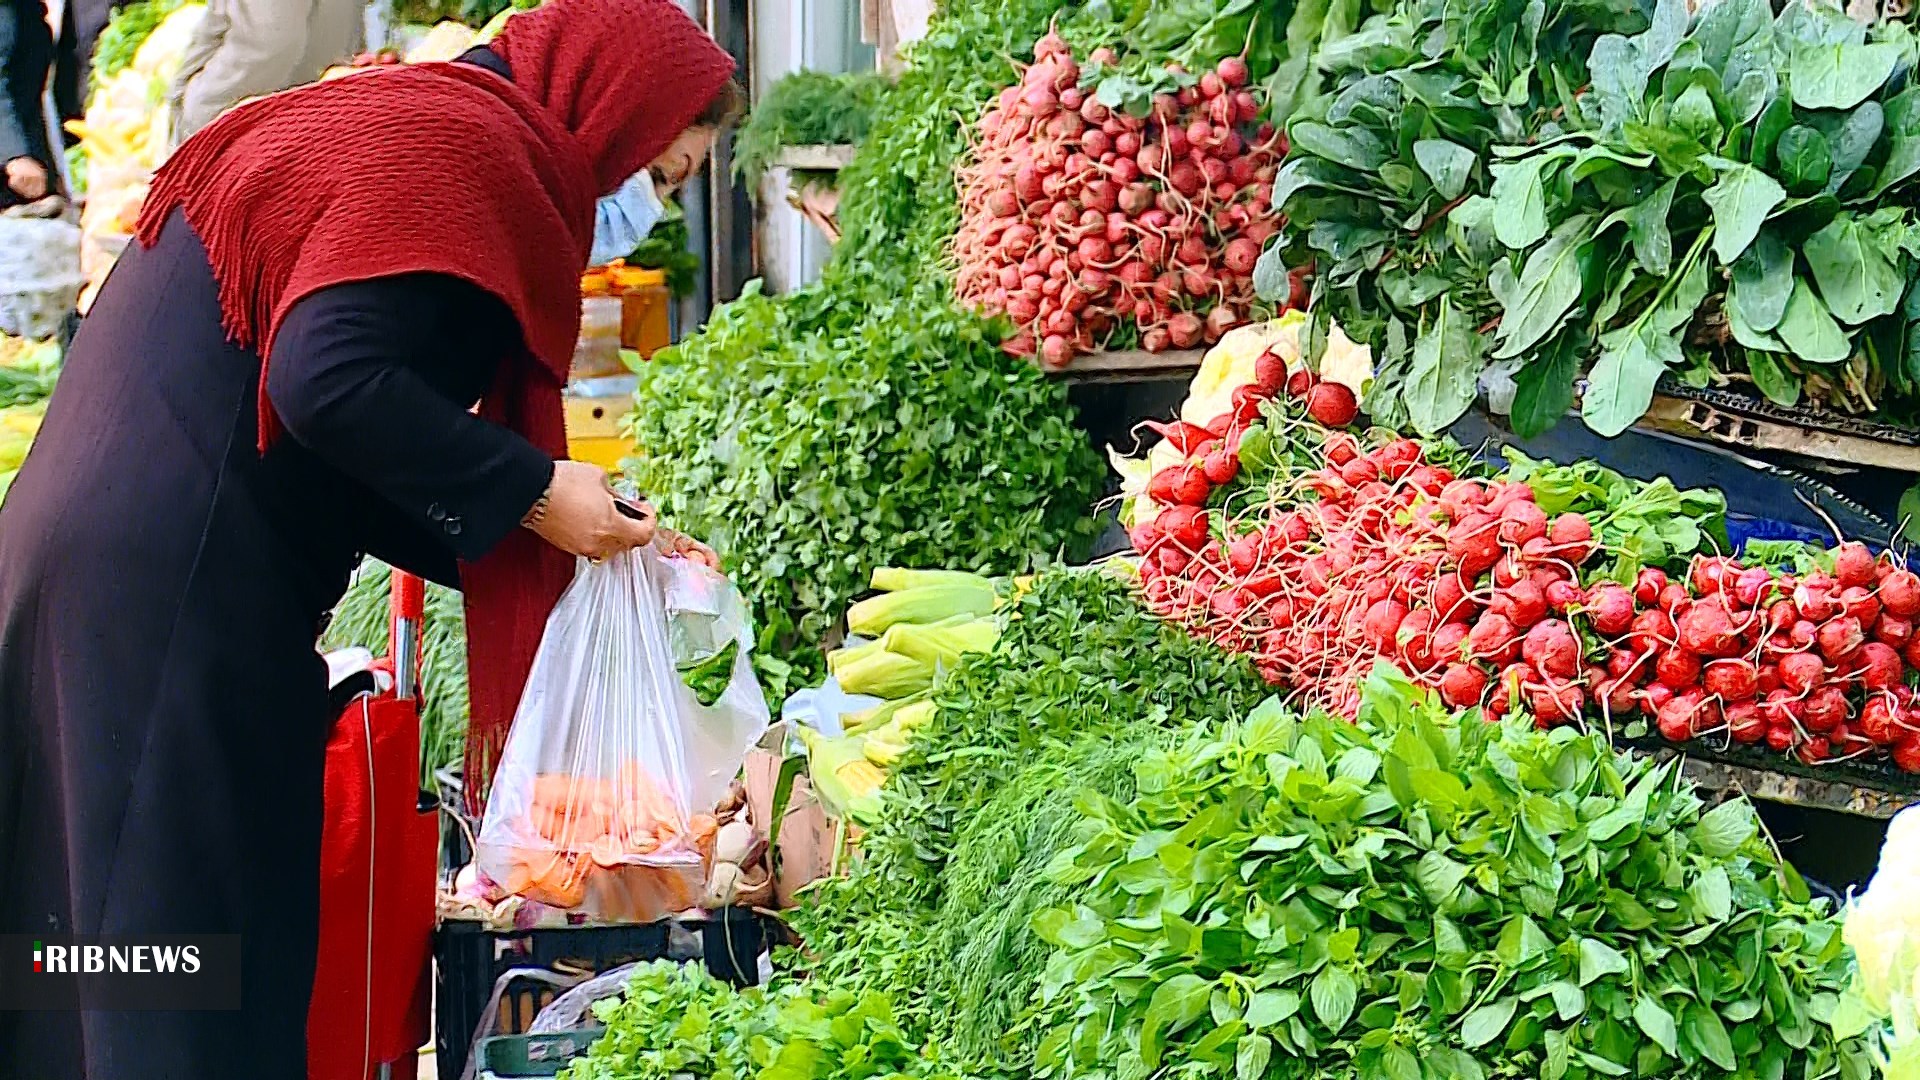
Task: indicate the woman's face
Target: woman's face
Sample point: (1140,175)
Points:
(681,159)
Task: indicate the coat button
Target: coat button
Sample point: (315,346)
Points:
(436,513)
(452,526)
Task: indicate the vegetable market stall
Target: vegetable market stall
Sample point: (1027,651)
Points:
(1099,783)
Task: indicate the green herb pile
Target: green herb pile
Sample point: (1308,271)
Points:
(129,27)
(362,619)
(935,914)
(675,1020)
(1423,895)
(668,249)
(1547,193)
(806,108)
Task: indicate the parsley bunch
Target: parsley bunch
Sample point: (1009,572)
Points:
(806,108)
(675,1020)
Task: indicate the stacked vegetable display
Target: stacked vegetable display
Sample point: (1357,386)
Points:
(1419,895)
(922,622)
(1107,856)
(1316,552)
(1084,223)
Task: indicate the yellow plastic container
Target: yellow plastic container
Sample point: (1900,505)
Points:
(643,315)
(593,430)
(644,300)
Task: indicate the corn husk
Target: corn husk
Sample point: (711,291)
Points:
(884,674)
(923,604)
(846,782)
(898,579)
(941,643)
(867,719)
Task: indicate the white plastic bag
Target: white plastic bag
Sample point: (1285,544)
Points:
(40,275)
(602,801)
(822,707)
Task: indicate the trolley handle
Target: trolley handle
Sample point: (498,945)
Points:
(409,607)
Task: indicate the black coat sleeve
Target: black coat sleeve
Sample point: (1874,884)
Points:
(377,378)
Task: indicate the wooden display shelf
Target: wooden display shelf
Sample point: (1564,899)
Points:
(1854,795)
(1131,365)
(815,158)
(1670,415)
(1701,420)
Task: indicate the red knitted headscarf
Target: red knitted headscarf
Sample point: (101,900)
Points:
(448,168)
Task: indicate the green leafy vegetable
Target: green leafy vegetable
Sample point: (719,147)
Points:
(806,108)
(1643,523)
(674,1020)
(1081,685)
(1773,146)
(1449,897)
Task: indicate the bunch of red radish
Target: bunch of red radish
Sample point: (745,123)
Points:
(1475,592)
(1077,219)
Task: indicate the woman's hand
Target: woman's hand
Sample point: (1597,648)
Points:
(582,517)
(679,543)
(27,177)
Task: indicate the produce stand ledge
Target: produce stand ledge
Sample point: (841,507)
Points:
(1708,416)
(1859,795)
(815,158)
(1131,365)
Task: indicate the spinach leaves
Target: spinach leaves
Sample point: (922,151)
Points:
(1596,193)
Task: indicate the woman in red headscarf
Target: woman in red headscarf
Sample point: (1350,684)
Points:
(277,379)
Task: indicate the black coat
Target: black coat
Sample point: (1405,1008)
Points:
(162,706)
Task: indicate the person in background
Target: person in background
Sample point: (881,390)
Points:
(26,54)
(247,48)
(278,377)
(73,65)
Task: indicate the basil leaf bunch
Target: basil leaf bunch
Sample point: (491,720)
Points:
(1420,896)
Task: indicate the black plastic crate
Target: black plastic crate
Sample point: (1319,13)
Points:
(534,1055)
(469,960)
(455,827)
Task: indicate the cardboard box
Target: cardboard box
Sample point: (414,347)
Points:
(805,851)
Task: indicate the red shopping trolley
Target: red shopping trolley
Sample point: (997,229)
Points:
(372,987)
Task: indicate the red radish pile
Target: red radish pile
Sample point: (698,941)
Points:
(1076,218)
(1470,587)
